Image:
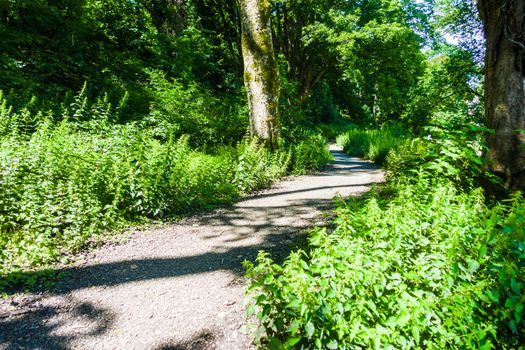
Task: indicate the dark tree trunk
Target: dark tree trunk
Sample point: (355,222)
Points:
(504,27)
(168,16)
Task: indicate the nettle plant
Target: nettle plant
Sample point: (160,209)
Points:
(432,268)
(451,152)
(424,264)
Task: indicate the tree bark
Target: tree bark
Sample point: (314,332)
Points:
(168,16)
(504,28)
(261,74)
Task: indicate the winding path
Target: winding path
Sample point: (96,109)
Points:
(179,286)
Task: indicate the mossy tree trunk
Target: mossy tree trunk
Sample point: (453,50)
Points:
(504,26)
(261,74)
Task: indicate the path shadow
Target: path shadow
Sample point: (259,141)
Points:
(310,189)
(227,253)
(230,242)
(201,341)
(32,328)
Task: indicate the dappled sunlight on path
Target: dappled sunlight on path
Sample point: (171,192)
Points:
(179,286)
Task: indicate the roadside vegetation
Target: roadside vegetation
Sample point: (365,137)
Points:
(116,113)
(66,179)
(427,261)
(373,144)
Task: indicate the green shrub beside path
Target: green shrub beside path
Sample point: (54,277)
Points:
(63,183)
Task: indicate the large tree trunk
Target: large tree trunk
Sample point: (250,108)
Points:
(503,22)
(261,74)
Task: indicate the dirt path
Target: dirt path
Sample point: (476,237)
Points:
(180,286)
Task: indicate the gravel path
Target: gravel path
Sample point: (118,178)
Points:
(179,286)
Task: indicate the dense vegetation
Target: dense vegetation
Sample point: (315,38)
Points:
(372,144)
(64,182)
(425,262)
(119,112)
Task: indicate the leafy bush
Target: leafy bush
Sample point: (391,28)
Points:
(187,109)
(429,268)
(257,167)
(426,265)
(451,152)
(372,144)
(61,185)
(332,130)
(63,182)
(310,153)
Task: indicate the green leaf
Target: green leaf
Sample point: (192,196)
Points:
(518,312)
(415,334)
(294,304)
(515,285)
(493,295)
(304,265)
(513,327)
(473,266)
(275,344)
(482,252)
(309,328)
(332,345)
(509,303)
(292,341)
(294,327)
(250,310)
(340,308)
(261,331)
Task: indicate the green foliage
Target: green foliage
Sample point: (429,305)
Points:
(337,127)
(425,264)
(460,19)
(52,47)
(449,90)
(429,268)
(372,144)
(257,167)
(384,61)
(362,58)
(310,153)
(451,152)
(62,183)
(186,109)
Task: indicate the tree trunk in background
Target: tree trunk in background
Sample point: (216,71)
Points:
(168,16)
(261,74)
(503,22)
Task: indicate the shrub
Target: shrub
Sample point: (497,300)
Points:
(257,167)
(447,152)
(372,144)
(187,109)
(429,268)
(310,153)
(428,265)
(62,183)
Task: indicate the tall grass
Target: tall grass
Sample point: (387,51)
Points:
(372,144)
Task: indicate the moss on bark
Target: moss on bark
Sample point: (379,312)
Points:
(261,75)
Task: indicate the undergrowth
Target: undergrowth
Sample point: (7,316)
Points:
(373,144)
(423,263)
(66,179)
